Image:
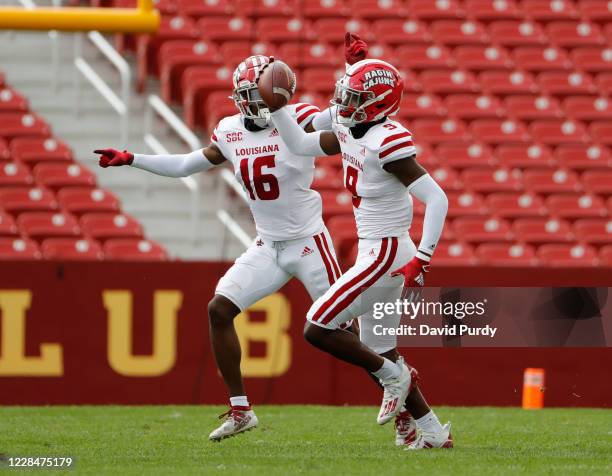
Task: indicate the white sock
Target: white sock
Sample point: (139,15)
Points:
(240,401)
(429,423)
(388,370)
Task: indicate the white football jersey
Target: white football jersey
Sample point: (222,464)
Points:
(276,182)
(381,203)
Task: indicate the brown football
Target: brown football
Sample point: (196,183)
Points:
(276,84)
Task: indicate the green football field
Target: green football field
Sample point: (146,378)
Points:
(305,440)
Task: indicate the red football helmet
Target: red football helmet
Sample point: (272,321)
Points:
(245,94)
(370,90)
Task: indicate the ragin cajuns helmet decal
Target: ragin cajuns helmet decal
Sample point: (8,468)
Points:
(369,91)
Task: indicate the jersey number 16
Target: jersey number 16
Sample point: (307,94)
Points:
(265,186)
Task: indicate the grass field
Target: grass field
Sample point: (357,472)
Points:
(306,440)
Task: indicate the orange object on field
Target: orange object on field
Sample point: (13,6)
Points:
(533,389)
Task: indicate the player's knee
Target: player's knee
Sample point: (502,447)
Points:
(221,311)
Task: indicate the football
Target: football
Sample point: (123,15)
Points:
(276,84)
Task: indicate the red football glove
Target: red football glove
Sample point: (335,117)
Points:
(414,272)
(114,158)
(355,49)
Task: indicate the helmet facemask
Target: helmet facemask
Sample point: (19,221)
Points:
(250,104)
(350,104)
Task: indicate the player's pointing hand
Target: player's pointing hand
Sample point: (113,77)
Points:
(114,157)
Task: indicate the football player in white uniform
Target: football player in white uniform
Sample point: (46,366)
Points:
(381,172)
(292,239)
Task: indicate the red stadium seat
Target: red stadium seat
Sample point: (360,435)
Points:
(436,131)
(572,34)
(309,55)
(147,46)
(376,9)
(5,152)
(574,206)
(448,179)
(321,80)
(15,174)
(487,10)
(592,60)
(565,84)
(18,249)
(415,106)
(86,200)
(376,50)
(479,58)
(105,226)
(549,10)
(436,10)
(462,204)
(496,131)
(208,8)
(33,151)
(542,230)
(315,9)
(557,131)
(491,180)
(343,230)
(234,52)
(336,203)
(457,32)
(327,177)
(473,106)
(594,231)
(449,82)
(41,225)
(551,181)
(530,107)
(598,181)
(601,131)
(265,8)
(18,200)
(541,58)
(516,205)
(318,100)
(218,105)
(583,156)
(465,154)
(401,32)
(596,10)
(331,30)
(507,82)
(425,155)
(281,30)
(587,108)
(418,57)
(498,254)
(56,176)
(482,230)
(220,29)
(8,227)
(197,84)
(176,56)
(605,256)
(71,249)
(565,255)
(12,101)
(524,155)
(454,254)
(134,250)
(517,33)
(15,124)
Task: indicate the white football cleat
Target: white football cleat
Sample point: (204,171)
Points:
(396,391)
(426,441)
(405,428)
(238,419)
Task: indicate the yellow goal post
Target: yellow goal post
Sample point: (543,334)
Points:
(142,19)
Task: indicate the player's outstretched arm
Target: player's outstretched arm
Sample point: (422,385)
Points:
(176,165)
(423,187)
(299,141)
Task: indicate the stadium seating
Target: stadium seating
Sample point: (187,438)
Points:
(134,250)
(18,249)
(42,225)
(71,249)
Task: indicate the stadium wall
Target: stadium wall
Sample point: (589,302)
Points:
(137,333)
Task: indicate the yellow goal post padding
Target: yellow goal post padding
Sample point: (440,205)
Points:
(142,19)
